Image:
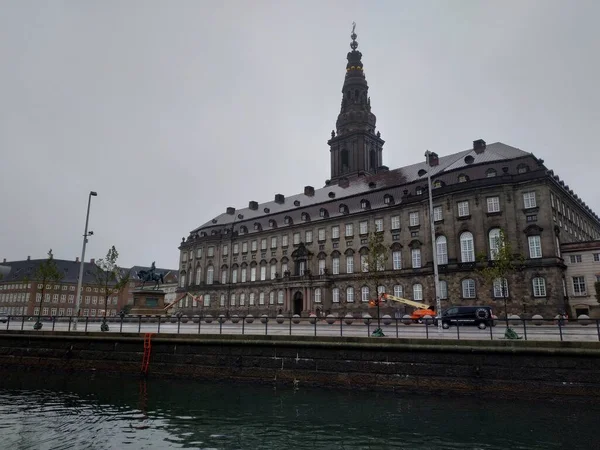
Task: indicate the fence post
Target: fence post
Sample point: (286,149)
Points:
(491,332)
(342,327)
(290,323)
(458,331)
(140,323)
(120,327)
(243,324)
(178,324)
(70,319)
(7,322)
(396,327)
(22,323)
(199,323)
(525,328)
(87,319)
(316,326)
(158,324)
(266,326)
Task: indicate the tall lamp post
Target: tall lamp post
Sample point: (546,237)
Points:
(81,265)
(436,276)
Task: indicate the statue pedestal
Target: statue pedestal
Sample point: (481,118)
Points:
(148,302)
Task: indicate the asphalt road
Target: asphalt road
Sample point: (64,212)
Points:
(571,332)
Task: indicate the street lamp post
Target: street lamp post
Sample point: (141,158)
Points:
(436,276)
(81,265)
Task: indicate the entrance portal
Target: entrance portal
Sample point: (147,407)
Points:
(298,303)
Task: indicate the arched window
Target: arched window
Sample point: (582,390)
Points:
(273,270)
(242,299)
(335,295)
(380,290)
(364,294)
(441,248)
(224,275)
(210,274)
(539,287)
(467,249)
(462,178)
(494,238)
(398,291)
(417,292)
(234,275)
(198,274)
(468,288)
(280,298)
(232,300)
(182,280)
(490,173)
(317,295)
(500,288)
(350,295)
(251,298)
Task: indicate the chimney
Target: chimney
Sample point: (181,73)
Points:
(253,205)
(343,182)
(28,258)
(433,159)
(77,259)
(92,261)
(309,191)
(230,211)
(479,146)
(279,198)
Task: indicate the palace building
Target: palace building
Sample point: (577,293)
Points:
(306,253)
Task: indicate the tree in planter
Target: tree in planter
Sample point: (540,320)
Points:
(373,267)
(46,272)
(503,263)
(108,277)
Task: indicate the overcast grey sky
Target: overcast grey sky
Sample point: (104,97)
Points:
(174,110)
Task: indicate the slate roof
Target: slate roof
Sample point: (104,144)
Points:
(19,270)
(393,180)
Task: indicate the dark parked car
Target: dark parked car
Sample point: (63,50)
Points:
(480,316)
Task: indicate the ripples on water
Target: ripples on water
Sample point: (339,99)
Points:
(62,412)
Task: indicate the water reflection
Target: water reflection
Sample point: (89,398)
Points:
(75,412)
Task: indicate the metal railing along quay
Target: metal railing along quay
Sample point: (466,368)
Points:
(537,329)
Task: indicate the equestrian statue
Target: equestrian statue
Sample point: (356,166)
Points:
(151,275)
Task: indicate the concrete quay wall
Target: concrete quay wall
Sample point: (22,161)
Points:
(498,368)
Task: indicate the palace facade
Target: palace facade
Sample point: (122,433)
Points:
(307,253)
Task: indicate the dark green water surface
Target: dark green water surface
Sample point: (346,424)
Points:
(50,411)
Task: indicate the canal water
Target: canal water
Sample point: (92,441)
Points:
(94,412)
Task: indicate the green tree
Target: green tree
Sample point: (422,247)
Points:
(109,277)
(373,266)
(47,272)
(503,263)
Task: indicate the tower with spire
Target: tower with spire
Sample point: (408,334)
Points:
(355,146)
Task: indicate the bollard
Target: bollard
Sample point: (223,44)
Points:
(139,324)
(158,325)
(178,324)
(525,328)
(86,323)
(396,327)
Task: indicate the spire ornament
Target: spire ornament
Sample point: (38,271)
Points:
(353,44)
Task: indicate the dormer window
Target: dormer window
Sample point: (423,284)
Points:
(490,173)
(364,204)
(203,233)
(296,202)
(388,199)
(343,209)
(305,217)
(462,178)
(522,168)
(437,184)
(243,230)
(419,190)
(272,223)
(287,220)
(323,213)
(257,226)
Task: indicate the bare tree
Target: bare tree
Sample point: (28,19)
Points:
(47,272)
(109,277)
(373,267)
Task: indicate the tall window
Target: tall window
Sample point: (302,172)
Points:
(417,292)
(500,288)
(397,260)
(242,299)
(363,227)
(206,300)
(234,273)
(263,244)
(579,285)
(364,264)
(350,295)
(467,250)
(296,238)
(232,300)
(463,209)
(284,240)
(198,274)
(413,219)
(244,247)
(318,295)
(535,247)
(380,290)
(321,266)
(443,289)
(539,287)
(493,204)
(244,275)
(335,295)
(253,273)
(308,237)
(321,234)
(378,225)
(225,250)
(210,274)
(252,298)
(416,258)
(529,200)
(222,301)
(211,252)
(350,264)
(364,294)
(273,271)
(438,213)
(494,238)
(284,268)
(468,288)
(274,242)
(335,232)
(280,298)
(395,223)
(236,248)
(223,276)
(263,273)
(271,298)
(441,249)
(335,265)
(254,246)
(181,282)
(398,291)
(349,230)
